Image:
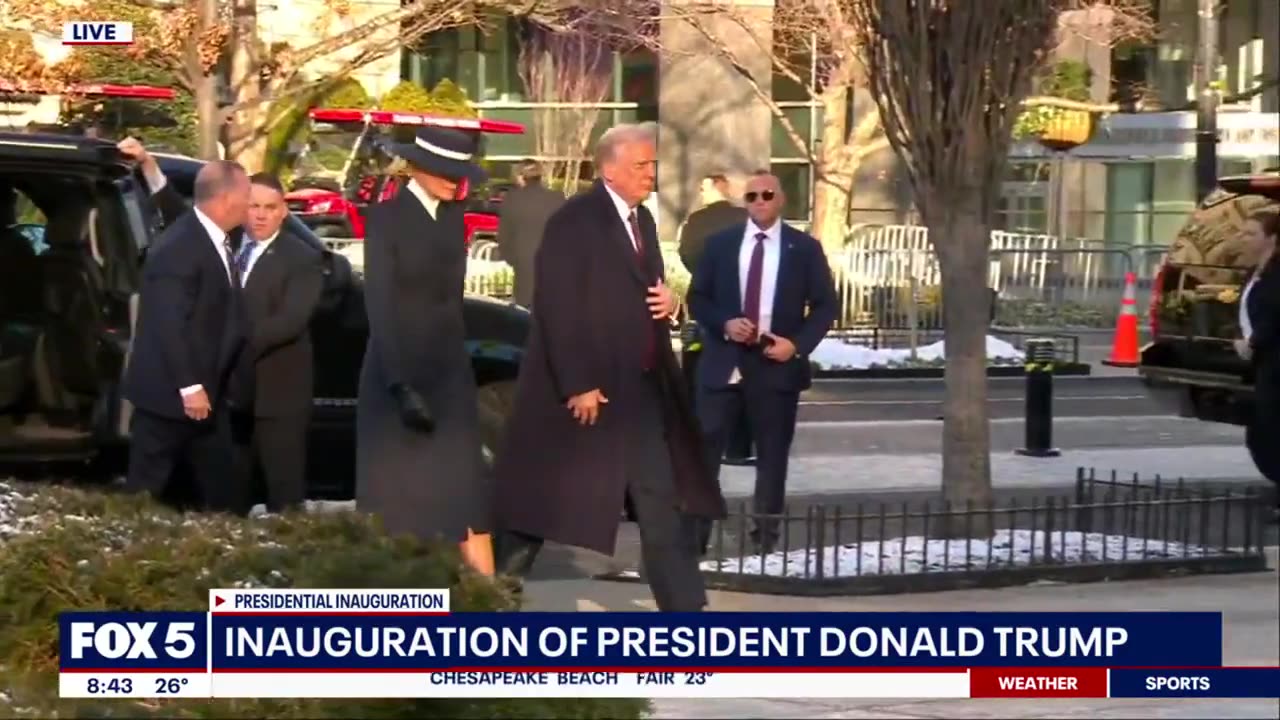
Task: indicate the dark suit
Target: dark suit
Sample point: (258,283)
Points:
(701,225)
(523,216)
(274,382)
(804,307)
(189,332)
(1262,304)
(561,481)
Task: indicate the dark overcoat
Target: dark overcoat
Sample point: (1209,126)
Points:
(522,218)
(554,478)
(431,485)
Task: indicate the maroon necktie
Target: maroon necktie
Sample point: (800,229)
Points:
(651,348)
(751,302)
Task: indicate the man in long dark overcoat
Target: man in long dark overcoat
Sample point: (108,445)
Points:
(601,415)
(521,221)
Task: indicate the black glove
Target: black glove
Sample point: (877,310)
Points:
(414,412)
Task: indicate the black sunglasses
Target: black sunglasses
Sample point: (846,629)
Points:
(766,196)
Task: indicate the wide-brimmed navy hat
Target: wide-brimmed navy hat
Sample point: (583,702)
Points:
(447,152)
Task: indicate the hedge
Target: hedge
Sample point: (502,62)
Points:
(63,548)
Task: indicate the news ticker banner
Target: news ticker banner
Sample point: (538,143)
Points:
(406,644)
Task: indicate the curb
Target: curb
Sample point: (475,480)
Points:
(937,373)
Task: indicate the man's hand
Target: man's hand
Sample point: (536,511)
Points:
(1243,349)
(196,405)
(586,407)
(133,149)
(662,302)
(781,350)
(740,330)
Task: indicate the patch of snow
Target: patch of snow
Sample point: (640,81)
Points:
(835,354)
(311,506)
(915,554)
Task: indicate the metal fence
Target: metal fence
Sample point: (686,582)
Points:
(888,276)
(1106,529)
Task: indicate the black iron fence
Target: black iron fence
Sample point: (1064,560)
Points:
(1105,529)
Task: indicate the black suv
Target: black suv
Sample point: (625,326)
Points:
(75,223)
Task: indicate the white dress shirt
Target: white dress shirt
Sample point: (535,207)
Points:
(768,275)
(1246,327)
(154,177)
(219,239)
(259,247)
(624,212)
(432,204)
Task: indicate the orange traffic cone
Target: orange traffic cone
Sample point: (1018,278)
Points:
(1124,348)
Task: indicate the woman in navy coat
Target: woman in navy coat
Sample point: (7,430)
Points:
(418,459)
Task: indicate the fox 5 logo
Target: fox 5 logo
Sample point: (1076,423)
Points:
(150,639)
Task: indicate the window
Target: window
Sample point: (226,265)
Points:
(786,89)
(482,63)
(797,182)
(1129,188)
(1173,197)
(639,79)
(499,64)
(511,145)
(801,119)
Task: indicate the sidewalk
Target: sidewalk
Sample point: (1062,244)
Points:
(859,472)
(1251,636)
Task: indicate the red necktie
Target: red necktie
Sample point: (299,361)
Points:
(755,270)
(651,348)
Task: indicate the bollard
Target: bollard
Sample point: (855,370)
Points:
(1039,413)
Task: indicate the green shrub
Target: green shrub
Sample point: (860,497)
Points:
(72,549)
(1066,79)
(407,96)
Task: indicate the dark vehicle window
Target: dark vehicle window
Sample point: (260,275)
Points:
(33,234)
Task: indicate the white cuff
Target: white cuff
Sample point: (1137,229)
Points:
(155,178)
(191,390)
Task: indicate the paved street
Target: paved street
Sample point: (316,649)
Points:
(1250,629)
(887,450)
(1074,396)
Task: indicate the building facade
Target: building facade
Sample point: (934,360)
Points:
(1133,184)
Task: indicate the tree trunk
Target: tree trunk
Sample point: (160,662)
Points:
(961,240)
(838,164)
(831,212)
(247,140)
(208,119)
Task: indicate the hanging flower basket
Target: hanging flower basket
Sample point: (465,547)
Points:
(1066,130)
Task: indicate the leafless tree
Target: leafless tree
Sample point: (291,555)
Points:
(949,79)
(800,31)
(572,73)
(815,45)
